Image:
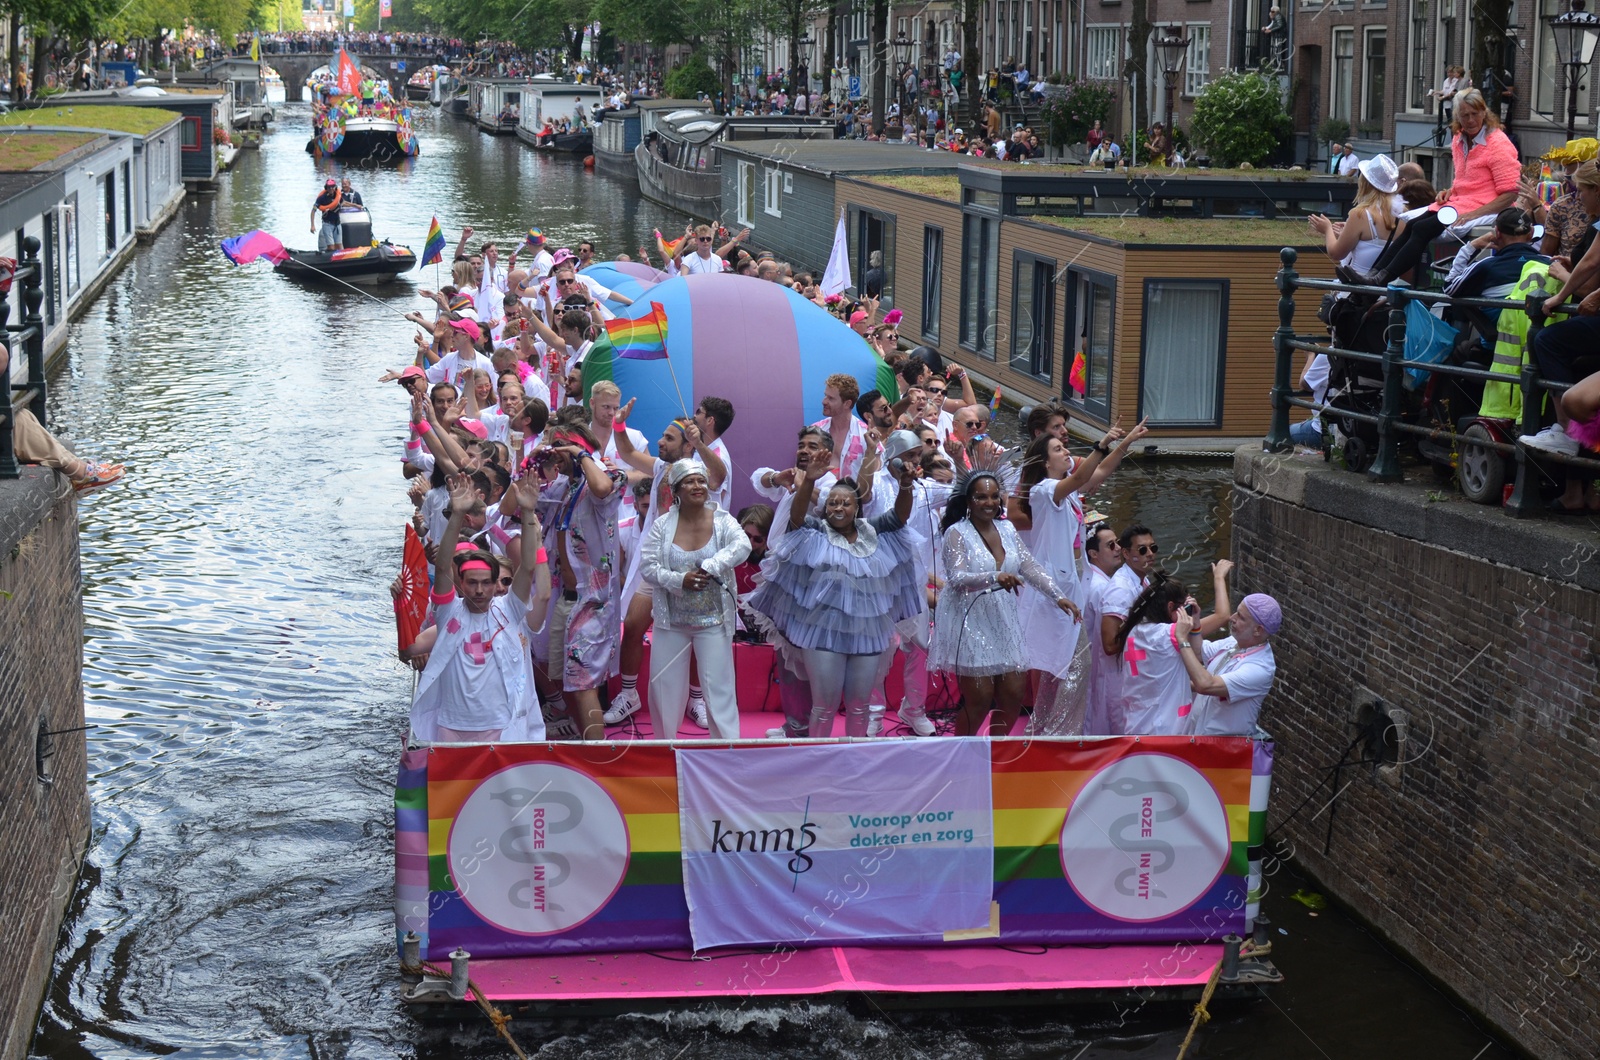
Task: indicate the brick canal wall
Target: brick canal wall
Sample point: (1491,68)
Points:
(1475,845)
(41,680)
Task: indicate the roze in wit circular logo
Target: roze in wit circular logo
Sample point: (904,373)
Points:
(538,848)
(1145,838)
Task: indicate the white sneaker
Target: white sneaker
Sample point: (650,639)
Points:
(917,719)
(875,713)
(777,734)
(624,705)
(697,713)
(1553,439)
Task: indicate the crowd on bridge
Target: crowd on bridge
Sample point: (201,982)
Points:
(305,42)
(903,534)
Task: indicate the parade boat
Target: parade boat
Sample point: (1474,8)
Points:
(419,88)
(632,874)
(361,259)
(380,131)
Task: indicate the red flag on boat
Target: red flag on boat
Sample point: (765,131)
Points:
(349,76)
(411,606)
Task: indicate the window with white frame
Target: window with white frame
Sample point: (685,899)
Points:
(747,193)
(773,203)
(1197,60)
(1549,76)
(1374,72)
(1103,53)
(1344,64)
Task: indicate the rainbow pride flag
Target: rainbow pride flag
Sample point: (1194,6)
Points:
(433,249)
(526,849)
(668,247)
(994,402)
(1079,379)
(641,338)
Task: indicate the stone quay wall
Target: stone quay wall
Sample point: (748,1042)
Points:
(1464,644)
(46,825)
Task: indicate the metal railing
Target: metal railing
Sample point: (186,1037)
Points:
(28,337)
(1525,493)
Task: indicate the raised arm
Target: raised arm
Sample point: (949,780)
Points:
(526,491)
(967,396)
(801,502)
(716,470)
(461,244)
(625,451)
(727,248)
(1219,584)
(444,568)
(1110,463)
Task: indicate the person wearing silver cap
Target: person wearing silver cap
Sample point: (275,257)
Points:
(688,557)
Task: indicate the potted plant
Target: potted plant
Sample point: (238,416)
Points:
(1333,131)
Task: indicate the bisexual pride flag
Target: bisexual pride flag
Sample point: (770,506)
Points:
(642,338)
(433,249)
(242,250)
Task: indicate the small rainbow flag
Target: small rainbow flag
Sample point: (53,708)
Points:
(433,250)
(1079,379)
(643,338)
(669,247)
(994,402)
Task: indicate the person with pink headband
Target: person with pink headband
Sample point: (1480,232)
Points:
(1232,676)
(478,684)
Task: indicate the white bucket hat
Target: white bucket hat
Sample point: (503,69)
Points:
(1381,173)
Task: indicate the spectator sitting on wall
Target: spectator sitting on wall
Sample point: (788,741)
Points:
(35,445)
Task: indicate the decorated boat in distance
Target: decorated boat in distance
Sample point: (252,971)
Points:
(381,130)
(361,259)
(419,88)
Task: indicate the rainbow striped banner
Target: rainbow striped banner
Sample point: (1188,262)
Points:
(525,849)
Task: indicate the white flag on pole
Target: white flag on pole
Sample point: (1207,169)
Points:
(837,275)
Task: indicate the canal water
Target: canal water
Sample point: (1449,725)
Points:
(247,708)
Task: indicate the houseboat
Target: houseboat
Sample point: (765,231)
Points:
(496,103)
(615,137)
(245,81)
(452,95)
(679,162)
(549,101)
(1162,279)
(205,109)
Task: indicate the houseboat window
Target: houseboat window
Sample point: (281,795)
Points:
(1181,371)
(980,269)
(872,255)
(108,192)
(987,200)
(1090,328)
(191,134)
(747,194)
(932,280)
(1049,205)
(1033,315)
(127,200)
(52,265)
(70,275)
(773,181)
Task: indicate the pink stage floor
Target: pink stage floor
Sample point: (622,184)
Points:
(672,975)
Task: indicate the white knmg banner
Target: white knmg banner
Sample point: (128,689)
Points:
(803,845)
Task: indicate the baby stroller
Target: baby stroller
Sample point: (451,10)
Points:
(1358,322)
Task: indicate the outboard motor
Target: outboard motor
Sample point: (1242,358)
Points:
(356,227)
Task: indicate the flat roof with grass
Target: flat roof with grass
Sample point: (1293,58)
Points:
(937,187)
(139,121)
(33,150)
(1133,230)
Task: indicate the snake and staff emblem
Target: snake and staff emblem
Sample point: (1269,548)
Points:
(1135,833)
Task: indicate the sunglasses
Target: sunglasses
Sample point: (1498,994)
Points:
(1148,550)
(703,239)
(506,582)
(937,391)
(566,283)
(931,443)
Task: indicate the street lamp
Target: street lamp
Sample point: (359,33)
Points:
(1172,48)
(902,59)
(1574,31)
(803,58)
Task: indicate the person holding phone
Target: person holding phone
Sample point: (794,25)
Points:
(1157,699)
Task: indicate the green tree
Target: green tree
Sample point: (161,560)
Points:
(1239,117)
(692,77)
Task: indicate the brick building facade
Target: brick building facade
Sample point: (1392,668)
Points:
(41,687)
(1470,842)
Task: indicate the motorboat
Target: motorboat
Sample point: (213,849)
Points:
(361,259)
(381,130)
(419,89)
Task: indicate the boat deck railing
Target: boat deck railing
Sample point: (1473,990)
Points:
(26,338)
(1525,494)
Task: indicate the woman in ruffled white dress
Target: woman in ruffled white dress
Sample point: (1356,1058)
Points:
(835,587)
(977,635)
(1052,485)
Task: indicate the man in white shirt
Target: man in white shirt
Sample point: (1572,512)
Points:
(704,258)
(543,261)
(1105,606)
(1230,677)
(849,434)
(604,402)
(1140,554)
(714,415)
(1346,162)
